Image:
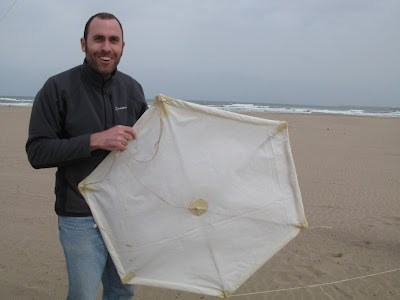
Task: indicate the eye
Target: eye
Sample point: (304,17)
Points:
(98,38)
(114,39)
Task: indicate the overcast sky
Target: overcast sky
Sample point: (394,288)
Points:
(328,52)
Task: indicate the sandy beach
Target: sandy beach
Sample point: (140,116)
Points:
(349,174)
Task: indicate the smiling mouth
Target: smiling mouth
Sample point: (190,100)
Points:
(105,58)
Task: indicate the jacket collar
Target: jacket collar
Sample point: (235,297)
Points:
(95,78)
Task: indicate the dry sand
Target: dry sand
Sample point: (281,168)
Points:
(349,175)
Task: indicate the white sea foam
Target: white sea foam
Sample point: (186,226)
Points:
(262,108)
(296,109)
(16,101)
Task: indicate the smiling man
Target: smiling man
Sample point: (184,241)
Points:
(77,118)
(103,43)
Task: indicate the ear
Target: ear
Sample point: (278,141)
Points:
(83,45)
(123,45)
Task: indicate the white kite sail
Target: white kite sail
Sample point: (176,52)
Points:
(200,201)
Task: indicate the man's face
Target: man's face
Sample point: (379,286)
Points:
(103,45)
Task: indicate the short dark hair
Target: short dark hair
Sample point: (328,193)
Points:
(103,16)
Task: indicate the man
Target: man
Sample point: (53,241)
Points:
(77,118)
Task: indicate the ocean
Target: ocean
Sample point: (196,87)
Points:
(260,107)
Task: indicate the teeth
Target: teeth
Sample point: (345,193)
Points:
(105,58)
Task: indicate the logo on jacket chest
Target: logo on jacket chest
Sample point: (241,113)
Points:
(120,107)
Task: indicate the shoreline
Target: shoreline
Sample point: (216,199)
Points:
(260,108)
(348,169)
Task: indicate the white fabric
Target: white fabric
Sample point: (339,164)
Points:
(241,166)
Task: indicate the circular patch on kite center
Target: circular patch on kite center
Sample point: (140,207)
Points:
(198,207)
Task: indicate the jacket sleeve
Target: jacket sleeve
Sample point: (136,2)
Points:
(46,146)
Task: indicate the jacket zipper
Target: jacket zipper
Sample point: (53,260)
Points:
(112,109)
(105,109)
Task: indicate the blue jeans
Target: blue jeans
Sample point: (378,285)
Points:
(88,262)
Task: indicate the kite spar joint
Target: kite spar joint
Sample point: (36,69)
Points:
(128,277)
(303,225)
(161,102)
(282,127)
(225,294)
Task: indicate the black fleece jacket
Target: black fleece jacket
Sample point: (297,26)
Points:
(66,111)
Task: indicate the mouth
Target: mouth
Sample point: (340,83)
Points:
(104,58)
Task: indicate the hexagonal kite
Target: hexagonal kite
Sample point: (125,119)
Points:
(200,201)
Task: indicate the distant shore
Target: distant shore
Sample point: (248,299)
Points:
(349,174)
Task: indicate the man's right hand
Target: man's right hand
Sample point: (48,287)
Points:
(115,138)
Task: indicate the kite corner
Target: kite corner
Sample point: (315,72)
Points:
(160,101)
(303,225)
(128,277)
(225,294)
(282,126)
(83,187)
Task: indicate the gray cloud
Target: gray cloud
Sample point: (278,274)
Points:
(308,52)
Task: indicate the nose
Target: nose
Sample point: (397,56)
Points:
(106,46)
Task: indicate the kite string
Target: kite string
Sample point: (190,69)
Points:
(156,145)
(108,172)
(325,292)
(319,285)
(309,254)
(154,193)
(311,260)
(111,236)
(8,11)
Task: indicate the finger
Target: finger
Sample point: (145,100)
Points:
(124,147)
(134,135)
(121,147)
(126,137)
(131,132)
